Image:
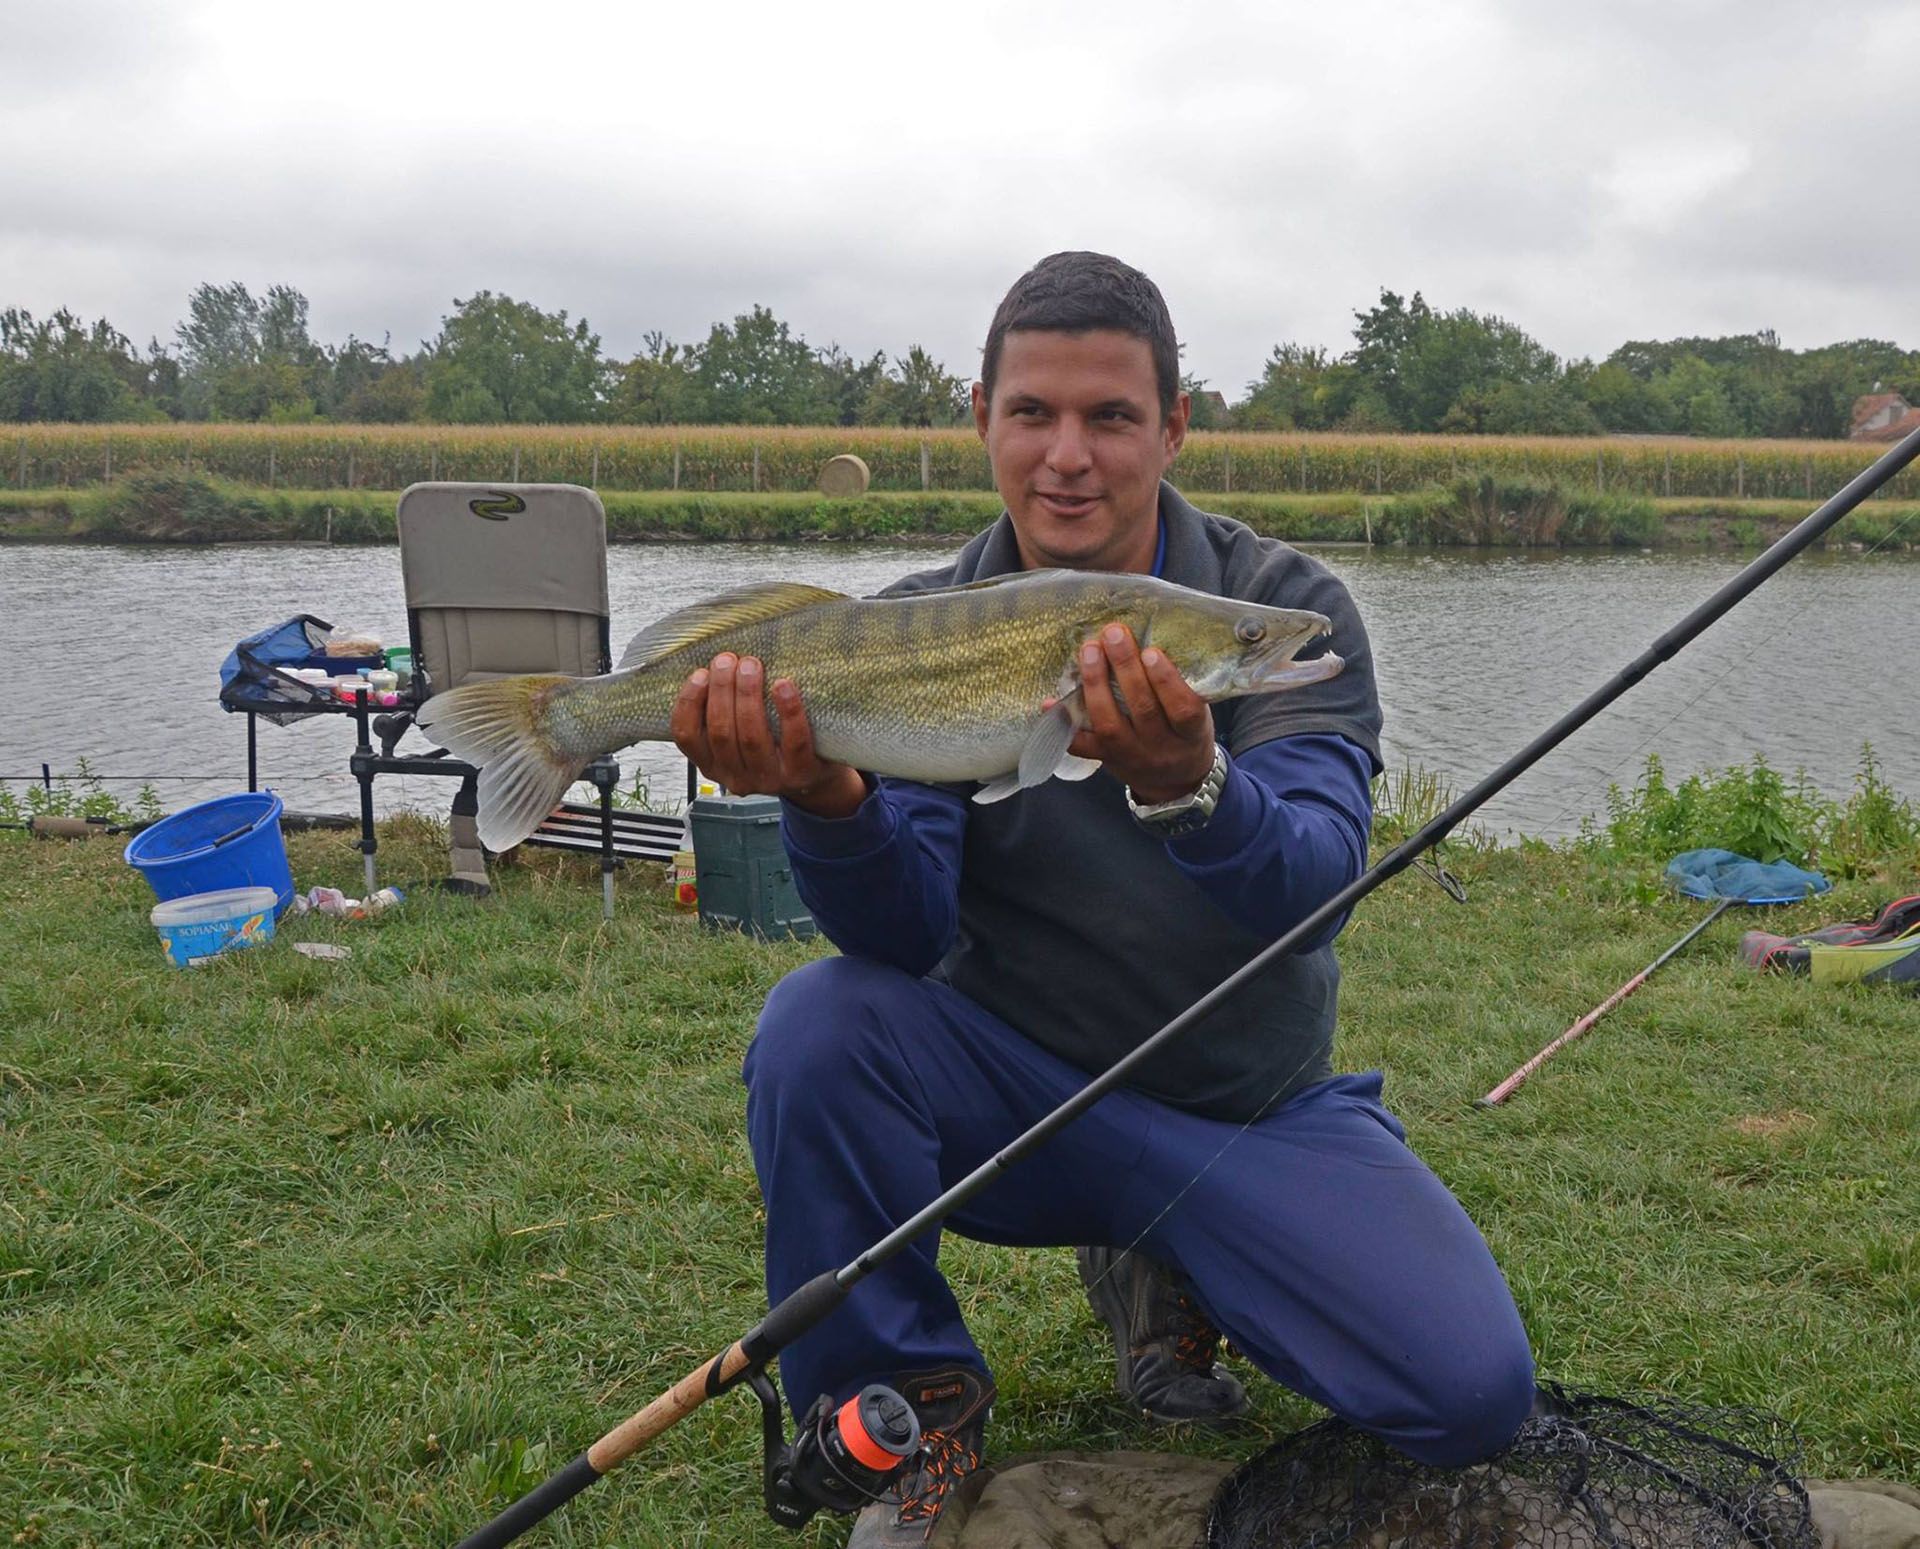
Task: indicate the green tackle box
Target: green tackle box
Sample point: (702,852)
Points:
(744,879)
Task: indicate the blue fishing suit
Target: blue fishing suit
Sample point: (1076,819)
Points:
(996,956)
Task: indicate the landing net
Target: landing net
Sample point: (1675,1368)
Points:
(1603,1473)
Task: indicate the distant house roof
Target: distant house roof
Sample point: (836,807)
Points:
(1893,430)
(1881,417)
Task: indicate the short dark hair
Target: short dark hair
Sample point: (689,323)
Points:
(1078,292)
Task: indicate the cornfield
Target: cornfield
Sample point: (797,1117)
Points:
(699,459)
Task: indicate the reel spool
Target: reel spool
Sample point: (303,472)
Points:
(841,1459)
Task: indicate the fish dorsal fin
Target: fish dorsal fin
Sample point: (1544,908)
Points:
(715,615)
(1011,578)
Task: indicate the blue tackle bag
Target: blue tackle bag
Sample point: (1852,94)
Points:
(251,679)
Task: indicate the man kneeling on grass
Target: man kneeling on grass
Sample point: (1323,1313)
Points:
(994,956)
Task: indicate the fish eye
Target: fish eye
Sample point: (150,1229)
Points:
(1250,631)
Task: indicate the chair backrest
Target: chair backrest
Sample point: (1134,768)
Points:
(503,579)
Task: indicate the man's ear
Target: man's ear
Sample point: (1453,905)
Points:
(980,409)
(1174,428)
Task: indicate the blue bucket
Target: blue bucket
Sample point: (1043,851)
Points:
(229,842)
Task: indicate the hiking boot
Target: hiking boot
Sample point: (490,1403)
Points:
(952,1405)
(1164,1344)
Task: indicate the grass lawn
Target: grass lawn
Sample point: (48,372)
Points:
(300,1252)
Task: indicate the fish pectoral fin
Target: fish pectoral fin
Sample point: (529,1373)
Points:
(1045,754)
(1070,767)
(997,789)
(715,616)
(1074,705)
(1047,743)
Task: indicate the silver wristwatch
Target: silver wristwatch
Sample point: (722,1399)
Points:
(1186,814)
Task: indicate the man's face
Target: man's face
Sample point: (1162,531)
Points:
(1078,446)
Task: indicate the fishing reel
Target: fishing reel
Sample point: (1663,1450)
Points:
(840,1458)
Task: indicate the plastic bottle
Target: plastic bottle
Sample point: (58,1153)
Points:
(386,898)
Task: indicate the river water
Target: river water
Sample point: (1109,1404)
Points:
(116,652)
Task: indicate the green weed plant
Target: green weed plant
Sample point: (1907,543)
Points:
(1485,506)
(170,506)
(1405,800)
(1753,810)
(80,794)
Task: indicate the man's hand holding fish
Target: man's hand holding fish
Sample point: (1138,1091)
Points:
(1145,724)
(720,721)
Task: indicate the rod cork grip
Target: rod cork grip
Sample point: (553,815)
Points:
(47,827)
(793,1317)
(669,1409)
(541,1501)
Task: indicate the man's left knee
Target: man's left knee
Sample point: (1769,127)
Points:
(1473,1414)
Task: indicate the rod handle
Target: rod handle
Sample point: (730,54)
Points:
(45,826)
(1580,1028)
(784,1323)
(669,1409)
(620,1443)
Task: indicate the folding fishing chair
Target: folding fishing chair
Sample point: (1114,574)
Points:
(503,579)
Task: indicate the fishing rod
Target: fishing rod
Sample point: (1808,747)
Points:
(44,825)
(746,1360)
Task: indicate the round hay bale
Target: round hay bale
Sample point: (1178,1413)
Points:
(843,476)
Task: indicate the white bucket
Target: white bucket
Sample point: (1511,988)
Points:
(203,924)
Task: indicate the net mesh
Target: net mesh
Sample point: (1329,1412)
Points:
(1602,1473)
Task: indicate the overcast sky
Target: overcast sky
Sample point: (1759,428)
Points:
(878,174)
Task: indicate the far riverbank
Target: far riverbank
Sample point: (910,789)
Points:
(178,508)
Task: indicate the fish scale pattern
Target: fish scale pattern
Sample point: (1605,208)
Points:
(937,685)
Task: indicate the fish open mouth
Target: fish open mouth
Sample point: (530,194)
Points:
(1292,674)
(1276,667)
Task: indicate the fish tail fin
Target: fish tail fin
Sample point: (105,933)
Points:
(503,727)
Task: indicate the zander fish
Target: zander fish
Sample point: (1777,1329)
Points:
(938,685)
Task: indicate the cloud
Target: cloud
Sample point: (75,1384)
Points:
(69,54)
(1658,186)
(879,174)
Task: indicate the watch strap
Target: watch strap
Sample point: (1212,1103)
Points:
(1184,814)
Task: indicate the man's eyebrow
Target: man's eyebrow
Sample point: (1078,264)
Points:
(1021,398)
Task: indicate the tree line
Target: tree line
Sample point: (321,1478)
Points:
(1411,367)
(1415,368)
(238,357)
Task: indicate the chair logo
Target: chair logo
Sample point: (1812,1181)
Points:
(499,508)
